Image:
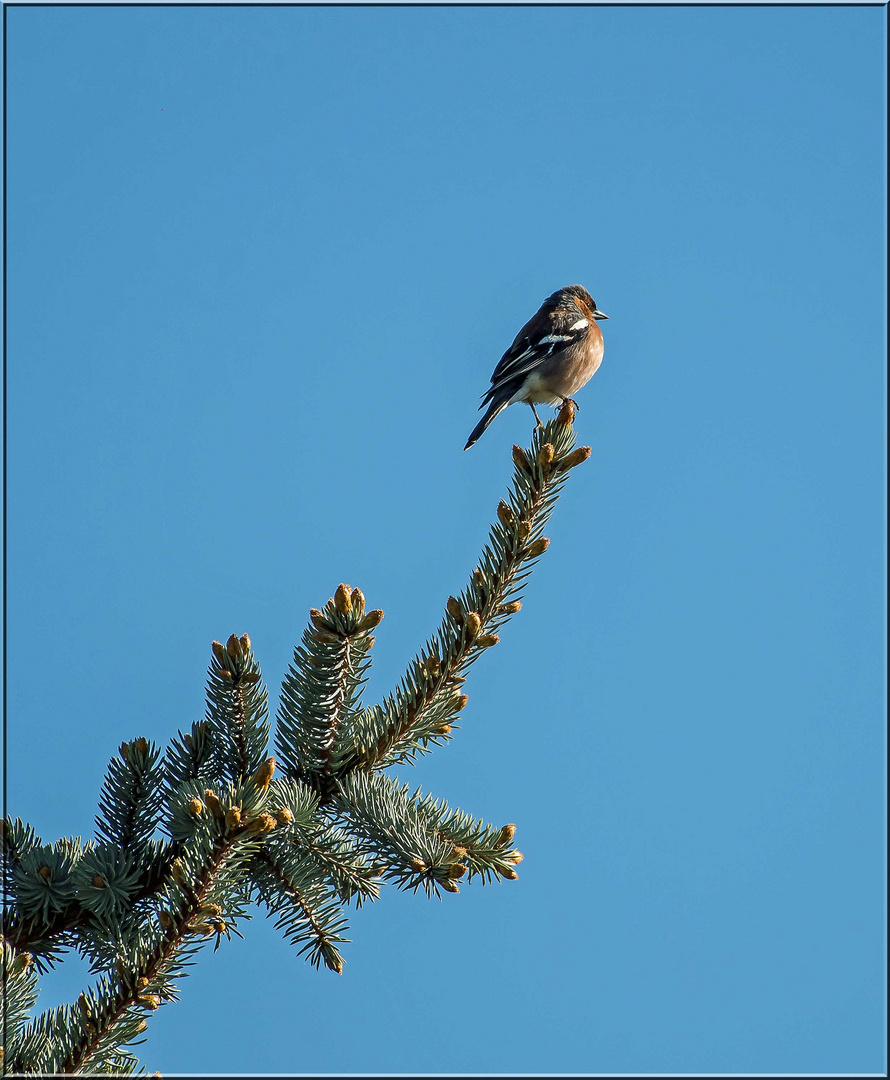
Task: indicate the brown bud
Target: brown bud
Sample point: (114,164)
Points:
(220,926)
(142,982)
(213,804)
(433,666)
(510,875)
(546,455)
(473,623)
(485,641)
(45,873)
(327,636)
(283,816)
(455,610)
(519,458)
(262,824)
(211,910)
(263,776)
(84,1004)
(449,886)
(99,881)
(343,599)
(461,702)
(140,1027)
(524,530)
(538,547)
(219,651)
(577,456)
(358,602)
(226,674)
(245,643)
(233,817)
(505,835)
(150,1001)
(196,807)
(318,620)
(203,928)
(457,870)
(165,919)
(418,866)
(505,515)
(124,751)
(511,608)
(442,729)
(251,677)
(371,620)
(141,745)
(233,647)
(177,870)
(21,963)
(566,413)
(188,741)
(369,642)
(479,576)
(516,857)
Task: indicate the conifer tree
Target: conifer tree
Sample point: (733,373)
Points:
(189,838)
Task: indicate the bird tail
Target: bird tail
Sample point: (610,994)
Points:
(490,413)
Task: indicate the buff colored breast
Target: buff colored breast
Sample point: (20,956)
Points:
(562,376)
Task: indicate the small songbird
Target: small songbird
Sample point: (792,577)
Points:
(557,351)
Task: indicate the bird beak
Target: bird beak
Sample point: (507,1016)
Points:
(599,315)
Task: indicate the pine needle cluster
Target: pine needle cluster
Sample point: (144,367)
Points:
(188,839)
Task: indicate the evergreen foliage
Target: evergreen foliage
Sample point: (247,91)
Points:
(188,840)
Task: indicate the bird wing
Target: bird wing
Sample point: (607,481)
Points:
(548,331)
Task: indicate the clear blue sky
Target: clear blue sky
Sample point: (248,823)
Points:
(262,263)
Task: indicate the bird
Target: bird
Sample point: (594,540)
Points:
(557,351)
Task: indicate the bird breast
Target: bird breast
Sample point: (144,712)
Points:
(565,373)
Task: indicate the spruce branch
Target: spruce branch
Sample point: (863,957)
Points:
(16,1004)
(386,819)
(322,833)
(295,889)
(47,937)
(339,858)
(116,1010)
(131,797)
(188,757)
(484,849)
(237,712)
(322,689)
(422,710)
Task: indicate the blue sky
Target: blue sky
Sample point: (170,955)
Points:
(262,262)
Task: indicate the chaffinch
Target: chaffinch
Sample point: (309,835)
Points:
(557,351)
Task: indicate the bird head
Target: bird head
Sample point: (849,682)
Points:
(576,297)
